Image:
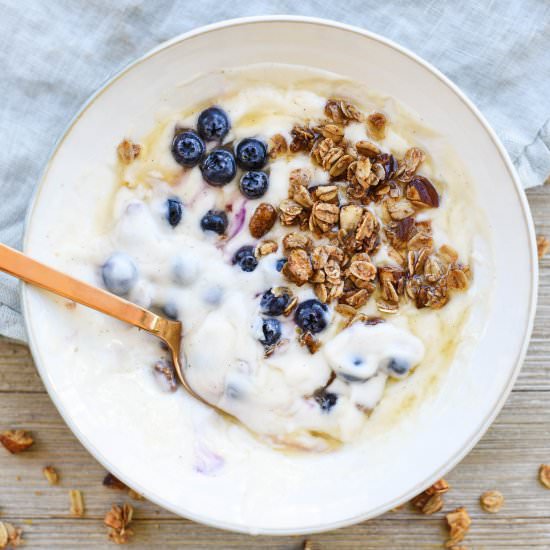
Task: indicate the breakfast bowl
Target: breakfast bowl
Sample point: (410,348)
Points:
(184,456)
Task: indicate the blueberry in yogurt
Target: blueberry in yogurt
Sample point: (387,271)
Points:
(275,301)
(218,167)
(251,154)
(187,148)
(311,316)
(396,367)
(213,124)
(170,310)
(325,399)
(245,258)
(215,220)
(271,331)
(119,273)
(254,184)
(280,263)
(174,211)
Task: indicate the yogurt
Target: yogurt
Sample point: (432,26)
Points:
(165,259)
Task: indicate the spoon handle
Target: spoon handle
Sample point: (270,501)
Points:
(31,271)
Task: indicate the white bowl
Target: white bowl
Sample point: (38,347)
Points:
(320,496)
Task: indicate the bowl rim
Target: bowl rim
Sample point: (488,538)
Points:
(484,424)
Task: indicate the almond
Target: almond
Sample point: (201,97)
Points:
(421,192)
(262,220)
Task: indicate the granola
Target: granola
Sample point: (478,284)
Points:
(16,441)
(491,501)
(117,520)
(459,523)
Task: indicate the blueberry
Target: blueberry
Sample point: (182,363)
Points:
(174,211)
(357,361)
(219,168)
(119,273)
(213,124)
(188,148)
(396,367)
(251,154)
(280,264)
(271,330)
(311,316)
(274,303)
(170,310)
(254,184)
(245,258)
(326,399)
(214,220)
(185,270)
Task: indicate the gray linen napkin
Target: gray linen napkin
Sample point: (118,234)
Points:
(55,54)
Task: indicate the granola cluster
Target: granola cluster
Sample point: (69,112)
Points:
(372,199)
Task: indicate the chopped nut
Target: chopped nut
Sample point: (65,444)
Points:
(544,475)
(298,267)
(307,339)
(302,139)
(9,535)
(428,504)
(543,246)
(367,149)
(265,248)
(128,151)
(262,220)
(459,522)
(421,192)
(289,212)
(16,441)
(118,519)
(376,123)
(342,112)
(51,475)
(491,501)
(113,482)
(409,164)
(296,240)
(77,503)
(277,146)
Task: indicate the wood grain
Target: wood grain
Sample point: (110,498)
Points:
(507,459)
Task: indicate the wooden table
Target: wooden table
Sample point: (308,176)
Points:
(507,459)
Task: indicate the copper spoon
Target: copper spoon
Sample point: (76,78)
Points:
(36,273)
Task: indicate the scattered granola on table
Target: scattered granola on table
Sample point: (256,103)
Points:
(492,501)
(51,475)
(77,503)
(430,501)
(10,536)
(459,523)
(544,475)
(16,441)
(543,246)
(117,520)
